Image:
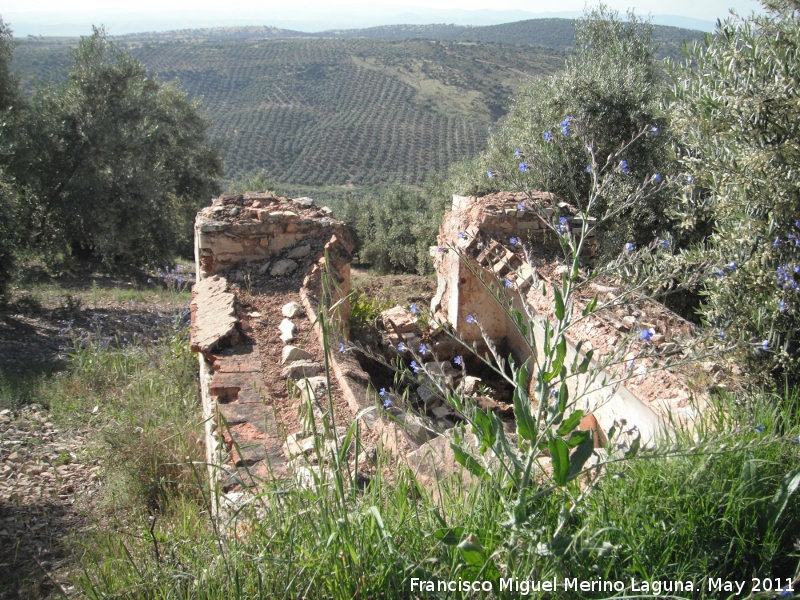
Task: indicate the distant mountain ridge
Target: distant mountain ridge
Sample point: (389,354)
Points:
(556,33)
(121,21)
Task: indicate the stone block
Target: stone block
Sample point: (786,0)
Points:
(283,267)
(301,369)
(293,353)
(288,330)
(239,359)
(292,309)
(399,320)
(300,251)
(213,315)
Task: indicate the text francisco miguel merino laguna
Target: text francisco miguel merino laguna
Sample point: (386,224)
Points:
(655,587)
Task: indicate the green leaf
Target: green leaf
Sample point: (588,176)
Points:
(634,449)
(486,429)
(788,486)
(570,423)
(559,304)
(579,457)
(526,425)
(465,460)
(577,438)
(589,308)
(559,456)
(472,551)
(449,536)
(563,397)
(584,366)
(561,354)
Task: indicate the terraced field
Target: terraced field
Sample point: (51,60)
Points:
(343,110)
(347,112)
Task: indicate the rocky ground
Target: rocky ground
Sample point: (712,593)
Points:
(49,470)
(47,477)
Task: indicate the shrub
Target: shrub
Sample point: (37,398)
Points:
(394,231)
(736,106)
(118,161)
(610,89)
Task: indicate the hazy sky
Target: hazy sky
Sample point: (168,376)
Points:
(262,12)
(703,9)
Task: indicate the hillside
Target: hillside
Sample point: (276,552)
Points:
(555,34)
(349,108)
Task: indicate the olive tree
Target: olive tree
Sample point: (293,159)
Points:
(10,192)
(119,160)
(611,89)
(738,111)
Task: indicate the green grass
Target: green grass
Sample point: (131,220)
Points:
(706,504)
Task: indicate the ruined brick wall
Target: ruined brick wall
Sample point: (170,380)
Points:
(480,256)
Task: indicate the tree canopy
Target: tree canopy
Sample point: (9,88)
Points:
(736,109)
(611,90)
(117,161)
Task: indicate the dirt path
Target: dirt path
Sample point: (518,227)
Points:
(49,471)
(46,477)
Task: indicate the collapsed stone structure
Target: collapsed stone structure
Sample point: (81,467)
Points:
(250,246)
(480,230)
(264,252)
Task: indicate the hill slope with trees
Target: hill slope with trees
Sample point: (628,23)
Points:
(372,107)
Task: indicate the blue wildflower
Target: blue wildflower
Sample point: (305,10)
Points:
(721,334)
(513,241)
(401,347)
(759,428)
(517,153)
(341,347)
(508,283)
(664,243)
(563,225)
(565,125)
(630,247)
(423,349)
(765,345)
(623,166)
(657,178)
(776,243)
(471,319)
(547,136)
(732,266)
(459,361)
(414,366)
(382,393)
(783,306)
(524,167)
(589,169)
(520,206)
(654,130)
(489,173)
(413,309)
(647,334)
(462,235)
(689,180)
